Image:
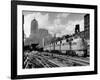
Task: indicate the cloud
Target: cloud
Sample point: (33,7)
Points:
(62,15)
(56,26)
(70,26)
(56,29)
(57,21)
(42,21)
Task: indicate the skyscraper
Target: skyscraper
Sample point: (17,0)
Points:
(87,26)
(37,34)
(34,26)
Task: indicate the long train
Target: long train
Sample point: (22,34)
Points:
(74,46)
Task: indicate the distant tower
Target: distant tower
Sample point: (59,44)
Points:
(34,26)
(77,28)
(86,22)
(87,26)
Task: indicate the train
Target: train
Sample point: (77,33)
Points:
(32,47)
(73,46)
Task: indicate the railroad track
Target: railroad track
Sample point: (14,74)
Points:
(75,61)
(47,63)
(70,60)
(43,62)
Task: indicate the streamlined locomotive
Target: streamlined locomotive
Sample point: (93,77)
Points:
(74,46)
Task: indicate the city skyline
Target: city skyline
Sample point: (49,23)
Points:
(55,22)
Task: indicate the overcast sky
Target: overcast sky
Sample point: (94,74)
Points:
(55,22)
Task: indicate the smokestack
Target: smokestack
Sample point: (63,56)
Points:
(77,28)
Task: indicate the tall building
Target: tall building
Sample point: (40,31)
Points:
(86,22)
(37,35)
(34,26)
(87,26)
(86,33)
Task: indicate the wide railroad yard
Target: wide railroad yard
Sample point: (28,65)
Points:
(48,60)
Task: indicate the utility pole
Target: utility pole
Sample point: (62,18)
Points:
(70,44)
(54,40)
(43,42)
